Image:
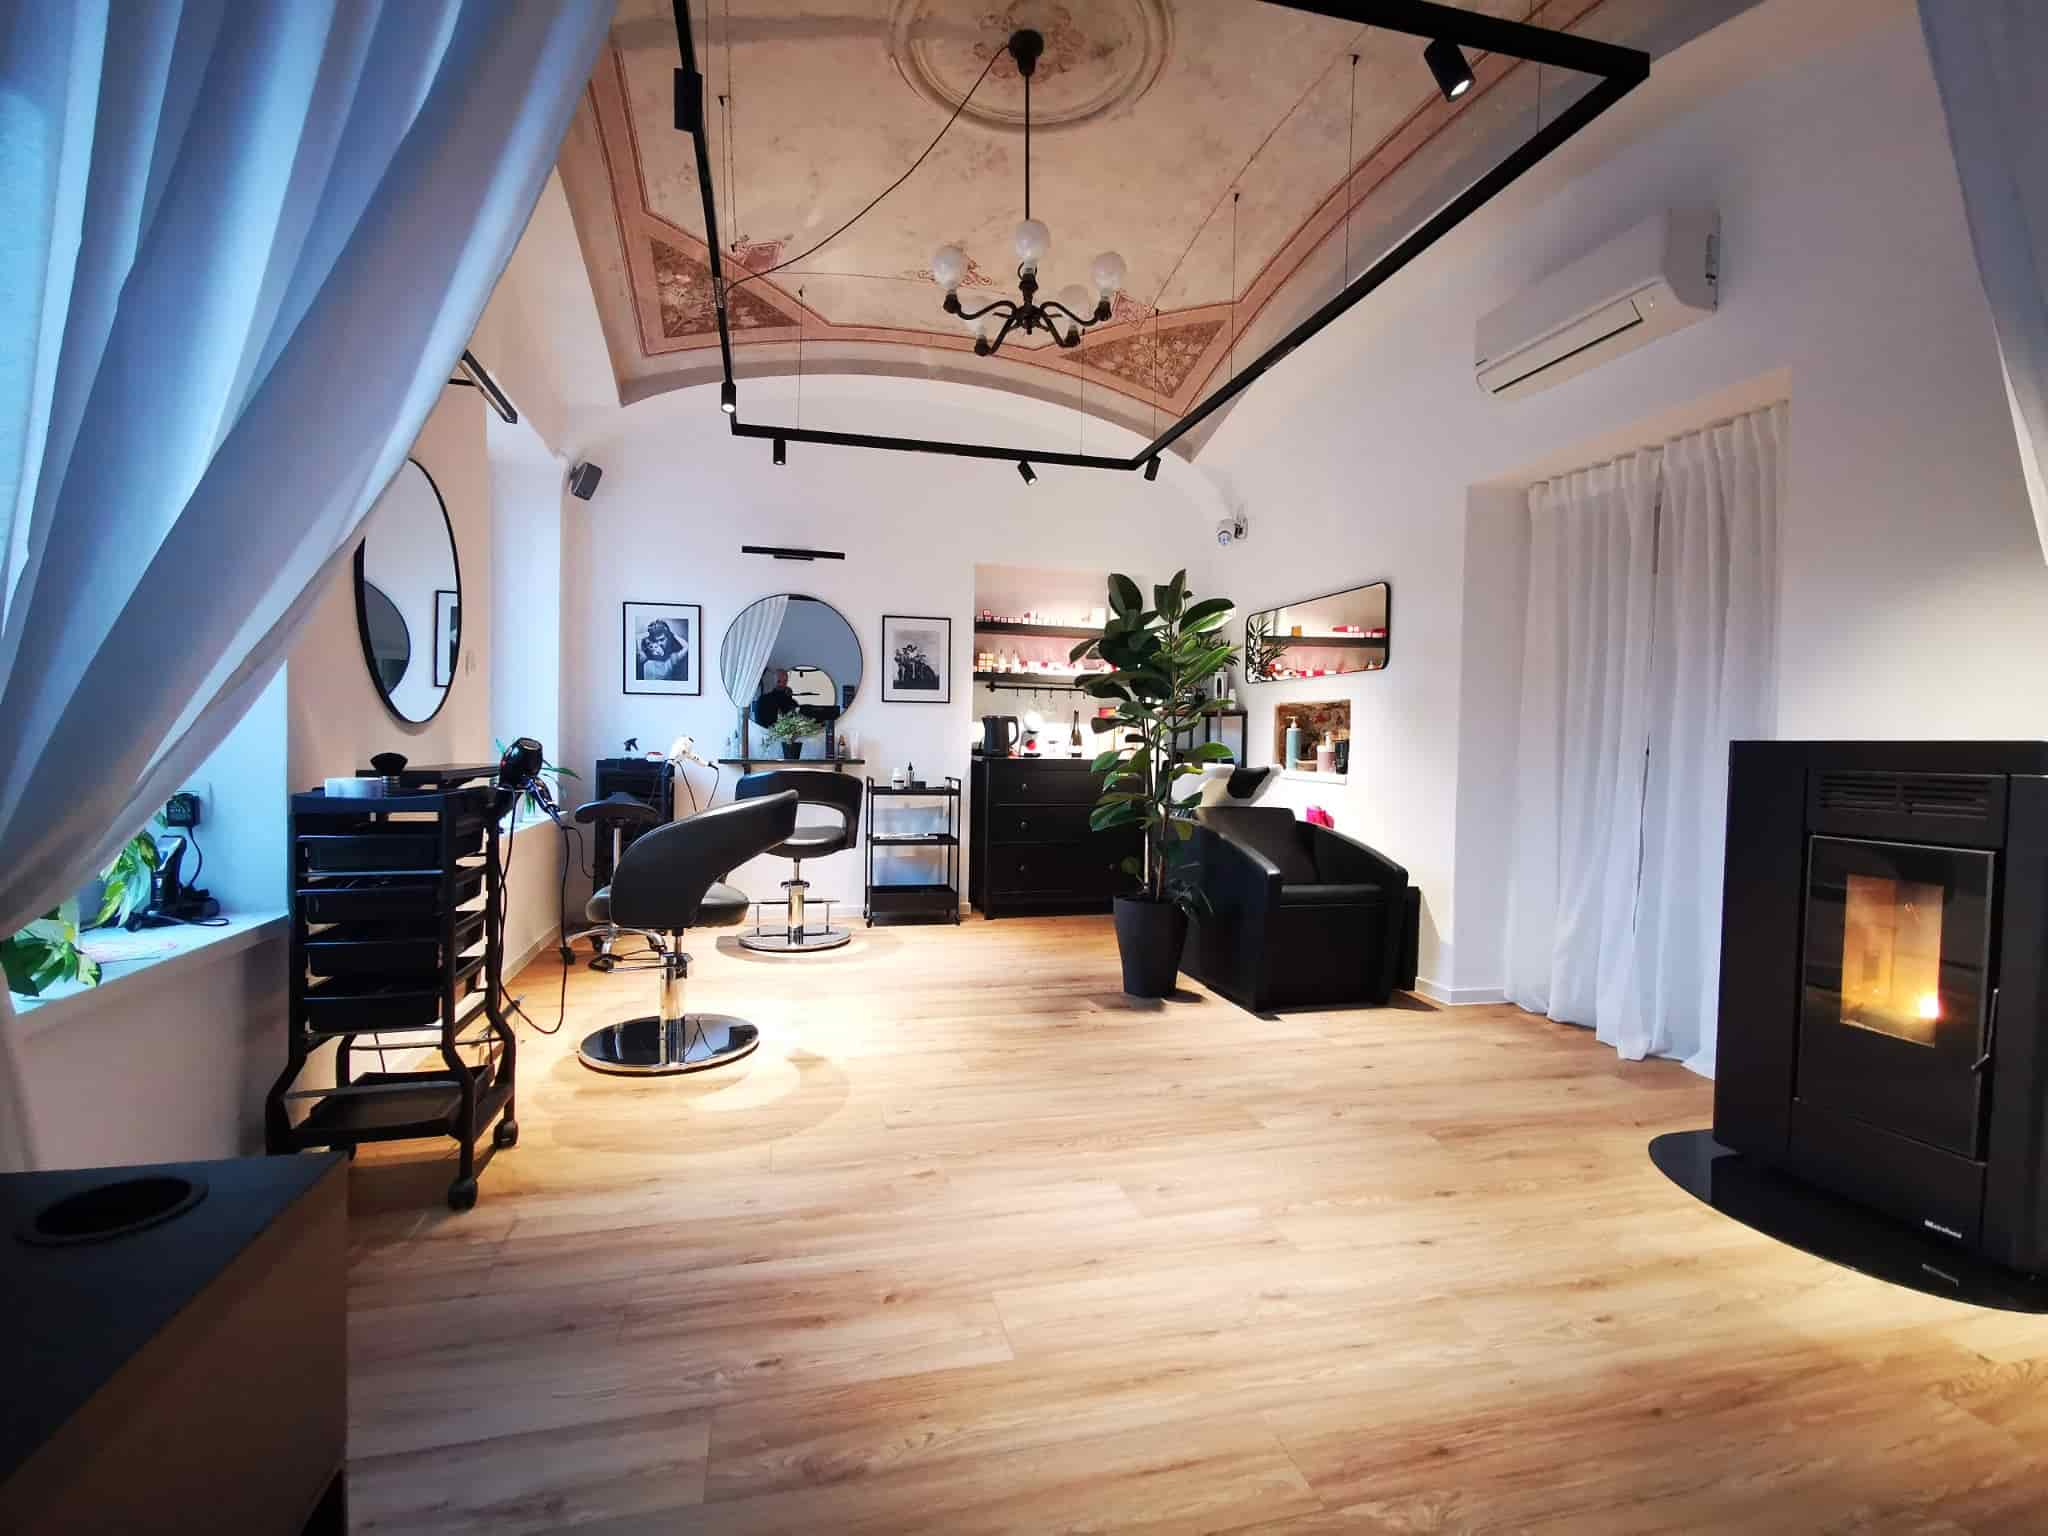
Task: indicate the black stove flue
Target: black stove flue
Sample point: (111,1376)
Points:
(1882,998)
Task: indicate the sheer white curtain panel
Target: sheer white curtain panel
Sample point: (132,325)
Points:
(242,243)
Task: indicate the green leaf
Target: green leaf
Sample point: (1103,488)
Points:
(1104,817)
(1102,725)
(1133,868)
(1206,615)
(1105,761)
(1081,651)
(1124,595)
(1212,752)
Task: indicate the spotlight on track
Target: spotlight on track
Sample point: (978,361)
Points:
(1447,62)
(1152,467)
(1024,468)
(728,398)
(782,450)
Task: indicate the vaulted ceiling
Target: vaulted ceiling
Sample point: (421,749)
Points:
(1241,157)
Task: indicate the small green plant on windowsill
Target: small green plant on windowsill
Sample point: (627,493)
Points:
(46,951)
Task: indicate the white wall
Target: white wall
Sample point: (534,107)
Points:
(680,495)
(1912,584)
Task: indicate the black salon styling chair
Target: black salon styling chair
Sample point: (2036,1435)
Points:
(669,881)
(1295,914)
(840,793)
(615,817)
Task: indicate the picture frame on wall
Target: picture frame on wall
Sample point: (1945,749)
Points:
(447,635)
(917,659)
(662,649)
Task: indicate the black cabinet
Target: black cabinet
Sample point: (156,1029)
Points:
(1029,847)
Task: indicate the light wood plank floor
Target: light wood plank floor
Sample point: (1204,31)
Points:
(974,1243)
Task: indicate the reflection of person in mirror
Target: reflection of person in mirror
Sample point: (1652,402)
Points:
(775,699)
(664,656)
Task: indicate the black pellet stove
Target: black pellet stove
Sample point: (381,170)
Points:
(1882,998)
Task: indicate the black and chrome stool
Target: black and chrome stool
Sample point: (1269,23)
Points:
(840,793)
(667,882)
(616,816)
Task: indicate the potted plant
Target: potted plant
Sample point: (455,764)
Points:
(47,951)
(792,728)
(1161,660)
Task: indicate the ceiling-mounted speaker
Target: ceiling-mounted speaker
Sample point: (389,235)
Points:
(583,481)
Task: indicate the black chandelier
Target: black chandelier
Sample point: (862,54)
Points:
(949,263)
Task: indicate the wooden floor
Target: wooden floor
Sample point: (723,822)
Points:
(974,1243)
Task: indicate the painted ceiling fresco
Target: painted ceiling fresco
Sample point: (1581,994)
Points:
(1240,156)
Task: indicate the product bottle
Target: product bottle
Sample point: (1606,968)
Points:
(1075,740)
(1293,742)
(1326,755)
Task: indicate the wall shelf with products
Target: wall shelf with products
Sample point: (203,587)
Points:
(1043,631)
(1031,682)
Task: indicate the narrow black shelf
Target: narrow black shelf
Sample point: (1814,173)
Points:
(1030,682)
(914,840)
(1329,642)
(1044,631)
(792,762)
(940,790)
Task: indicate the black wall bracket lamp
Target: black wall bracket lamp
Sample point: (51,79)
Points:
(1448,30)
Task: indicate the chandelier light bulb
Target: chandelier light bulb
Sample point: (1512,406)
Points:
(1075,297)
(1107,270)
(1033,241)
(949,265)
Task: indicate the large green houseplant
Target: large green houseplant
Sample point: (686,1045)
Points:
(1162,659)
(47,952)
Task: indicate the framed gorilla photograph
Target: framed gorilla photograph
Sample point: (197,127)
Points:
(917,659)
(662,641)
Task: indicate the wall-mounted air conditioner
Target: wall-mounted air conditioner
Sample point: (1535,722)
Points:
(1658,278)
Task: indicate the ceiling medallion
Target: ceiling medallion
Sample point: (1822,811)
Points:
(1064,318)
(1098,56)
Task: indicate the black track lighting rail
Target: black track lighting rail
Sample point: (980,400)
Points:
(1616,71)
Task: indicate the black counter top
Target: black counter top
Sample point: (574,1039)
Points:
(72,1316)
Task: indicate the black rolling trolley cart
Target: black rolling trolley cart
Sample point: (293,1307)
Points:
(397,924)
(931,899)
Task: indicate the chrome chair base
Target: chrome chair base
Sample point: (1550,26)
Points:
(652,1046)
(786,941)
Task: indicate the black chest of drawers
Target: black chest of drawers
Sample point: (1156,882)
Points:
(1029,847)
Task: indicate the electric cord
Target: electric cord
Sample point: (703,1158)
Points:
(920,160)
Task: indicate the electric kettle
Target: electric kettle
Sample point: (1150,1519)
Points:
(998,735)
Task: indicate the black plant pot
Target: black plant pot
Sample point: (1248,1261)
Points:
(1149,935)
(792,750)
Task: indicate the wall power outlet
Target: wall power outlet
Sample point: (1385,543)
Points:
(182,809)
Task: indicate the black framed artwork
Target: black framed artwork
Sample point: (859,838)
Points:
(662,648)
(447,635)
(917,659)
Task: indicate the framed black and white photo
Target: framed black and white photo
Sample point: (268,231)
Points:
(662,646)
(447,635)
(917,659)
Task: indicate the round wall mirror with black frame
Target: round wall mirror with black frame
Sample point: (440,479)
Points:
(409,596)
(790,653)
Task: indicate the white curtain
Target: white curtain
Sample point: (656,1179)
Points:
(1989,59)
(1651,645)
(1580,769)
(744,655)
(241,245)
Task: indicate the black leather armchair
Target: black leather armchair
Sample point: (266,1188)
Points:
(668,881)
(1297,914)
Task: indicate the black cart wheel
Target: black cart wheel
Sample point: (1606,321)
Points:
(462,1194)
(603,962)
(506,1135)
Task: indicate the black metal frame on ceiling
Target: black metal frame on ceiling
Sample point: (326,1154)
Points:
(1616,71)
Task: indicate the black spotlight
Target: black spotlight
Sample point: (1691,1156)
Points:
(1024,468)
(782,450)
(1152,467)
(1447,62)
(728,398)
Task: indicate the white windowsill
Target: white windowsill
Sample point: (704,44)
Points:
(190,946)
(1310,776)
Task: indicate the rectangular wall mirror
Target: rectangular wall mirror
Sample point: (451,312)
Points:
(1324,637)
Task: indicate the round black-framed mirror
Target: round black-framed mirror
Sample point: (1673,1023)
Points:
(789,651)
(408,583)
